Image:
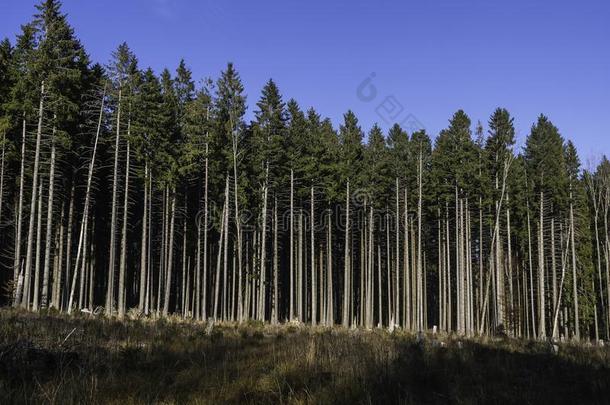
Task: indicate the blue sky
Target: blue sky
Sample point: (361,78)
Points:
(425,59)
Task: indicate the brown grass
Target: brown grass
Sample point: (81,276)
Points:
(49,358)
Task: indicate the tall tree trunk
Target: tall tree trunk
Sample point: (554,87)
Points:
(204,298)
(170,254)
(123,260)
(113,219)
(49,233)
(237,225)
(66,298)
(17,279)
(220,248)
(397,264)
(144,247)
(84,222)
(541,277)
(58,268)
(263,257)
(30,242)
(574,279)
(329,270)
(276,308)
(312,225)
(3,143)
(346,267)
(420,282)
(292,278)
(36,291)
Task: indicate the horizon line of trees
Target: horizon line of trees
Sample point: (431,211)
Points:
(129,191)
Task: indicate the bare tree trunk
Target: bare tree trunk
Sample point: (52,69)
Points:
(263,257)
(420,285)
(17,260)
(163,252)
(204,299)
(123,260)
(292,278)
(407,268)
(92,265)
(2,172)
(330,303)
(170,254)
(149,282)
(541,277)
(397,264)
(510,263)
(276,308)
(346,267)
(113,219)
(574,279)
(83,228)
(314,302)
(185,287)
(593,190)
(144,248)
(49,233)
(36,291)
(30,242)
(557,303)
(237,224)
(58,268)
(66,298)
(220,247)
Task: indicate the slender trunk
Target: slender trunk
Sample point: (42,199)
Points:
(58,268)
(574,279)
(170,254)
(123,260)
(204,298)
(510,262)
(49,233)
(144,248)
(346,267)
(420,282)
(263,257)
(30,241)
(36,291)
(541,277)
(68,293)
(17,260)
(237,225)
(113,219)
(329,270)
(314,302)
(557,303)
(2,173)
(292,278)
(397,264)
(276,308)
(83,228)
(220,247)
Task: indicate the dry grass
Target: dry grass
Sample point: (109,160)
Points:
(55,359)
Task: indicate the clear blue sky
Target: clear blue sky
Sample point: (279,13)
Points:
(433,57)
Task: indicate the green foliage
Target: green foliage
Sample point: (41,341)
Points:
(545,162)
(454,160)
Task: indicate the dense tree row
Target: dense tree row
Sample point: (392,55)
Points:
(128,191)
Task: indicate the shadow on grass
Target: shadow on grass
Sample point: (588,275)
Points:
(55,359)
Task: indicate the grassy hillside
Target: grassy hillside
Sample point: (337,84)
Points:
(55,359)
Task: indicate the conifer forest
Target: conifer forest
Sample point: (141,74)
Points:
(123,191)
(166,238)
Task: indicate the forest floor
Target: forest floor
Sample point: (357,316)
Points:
(51,358)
